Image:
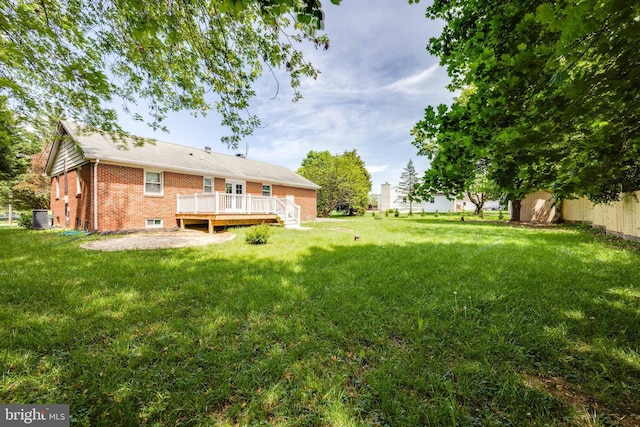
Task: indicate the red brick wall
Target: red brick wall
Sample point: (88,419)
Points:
(219,185)
(122,204)
(301,196)
(254,188)
(79,204)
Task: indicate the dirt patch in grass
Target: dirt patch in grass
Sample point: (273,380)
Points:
(159,240)
(588,408)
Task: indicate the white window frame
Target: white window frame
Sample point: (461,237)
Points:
(234,188)
(153,193)
(205,186)
(78,181)
(270,190)
(155,223)
(57,187)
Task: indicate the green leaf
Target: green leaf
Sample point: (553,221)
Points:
(545,13)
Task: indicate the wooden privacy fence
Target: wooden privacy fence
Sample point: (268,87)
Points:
(620,218)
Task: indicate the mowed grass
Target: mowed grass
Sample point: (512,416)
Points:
(422,321)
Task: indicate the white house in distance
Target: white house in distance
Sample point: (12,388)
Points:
(393,198)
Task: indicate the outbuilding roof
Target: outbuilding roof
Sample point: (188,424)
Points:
(177,158)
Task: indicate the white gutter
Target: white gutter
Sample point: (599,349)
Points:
(95,195)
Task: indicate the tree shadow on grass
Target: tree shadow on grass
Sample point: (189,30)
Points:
(481,317)
(413,334)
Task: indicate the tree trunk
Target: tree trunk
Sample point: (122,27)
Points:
(477,200)
(515,210)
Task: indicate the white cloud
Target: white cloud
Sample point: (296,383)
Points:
(376,80)
(376,169)
(416,83)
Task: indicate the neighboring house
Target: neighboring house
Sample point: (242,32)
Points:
(99,184)
(393,198)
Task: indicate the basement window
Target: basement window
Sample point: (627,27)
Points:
(154,223)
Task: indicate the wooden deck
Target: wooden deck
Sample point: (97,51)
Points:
(212,220)
(224,210)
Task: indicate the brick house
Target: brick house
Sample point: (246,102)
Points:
(104,185)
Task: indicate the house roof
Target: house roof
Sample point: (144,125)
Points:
(179,158)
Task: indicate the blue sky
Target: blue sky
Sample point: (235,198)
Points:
(376,80)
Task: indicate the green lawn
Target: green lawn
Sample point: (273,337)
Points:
(423,321)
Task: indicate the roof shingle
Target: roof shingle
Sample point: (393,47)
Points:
(179,158)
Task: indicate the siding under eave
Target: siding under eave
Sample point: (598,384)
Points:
(74,156)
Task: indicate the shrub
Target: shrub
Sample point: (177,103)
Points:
(436,214)
(396,213)
(26,221)
(422,212)
(258,235)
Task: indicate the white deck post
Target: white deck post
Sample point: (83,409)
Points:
(195,203)
(217,201)
(249,203)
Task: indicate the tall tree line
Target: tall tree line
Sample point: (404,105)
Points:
(345,182)
(548,98)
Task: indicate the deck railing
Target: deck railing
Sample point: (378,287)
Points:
(222,203)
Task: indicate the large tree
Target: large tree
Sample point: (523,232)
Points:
(481,190)
(549,98)
(22,161)
(407,185)
(75,56)
(344,180)
(484,48)
(13,144)
(594,88)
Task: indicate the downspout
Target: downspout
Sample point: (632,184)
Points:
(67,209)
(95,195)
